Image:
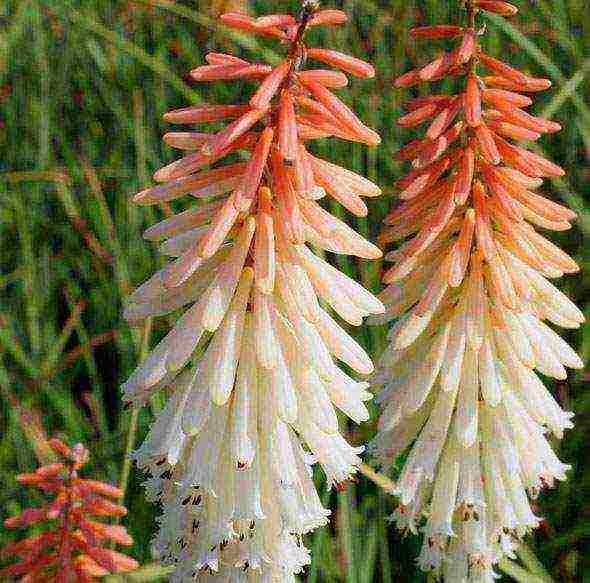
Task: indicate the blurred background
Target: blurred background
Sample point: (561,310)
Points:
(83,86)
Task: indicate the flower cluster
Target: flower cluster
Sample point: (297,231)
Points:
(250,365)
(471,294)
(73,548)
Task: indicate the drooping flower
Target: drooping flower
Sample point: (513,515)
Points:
(74,546)
(474,310)
(250,366)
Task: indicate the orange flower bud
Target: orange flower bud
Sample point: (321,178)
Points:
(502,8)
(472,101)
(347,63)
(439,31)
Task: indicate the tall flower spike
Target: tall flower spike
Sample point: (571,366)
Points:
(250,365)
(469,289)
(73,547)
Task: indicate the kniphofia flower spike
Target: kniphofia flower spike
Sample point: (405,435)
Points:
(471,294)
(73,549)
(250,365)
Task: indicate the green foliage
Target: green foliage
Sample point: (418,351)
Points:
(83,85)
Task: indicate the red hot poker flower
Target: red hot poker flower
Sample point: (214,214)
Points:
(469,288)
(251,364)
(73,548)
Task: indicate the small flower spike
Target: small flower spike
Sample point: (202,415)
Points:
(250,366)
(470,292)
(73,547)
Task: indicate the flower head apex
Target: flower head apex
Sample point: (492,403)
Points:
(73,548)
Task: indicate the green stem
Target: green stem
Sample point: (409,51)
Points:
(132,429)
(385,558)
(518,573)
(345,534)
(146,573)
(530,560)
(156,65)
(567,90)
(133,420)
(381,480)
(243,40)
